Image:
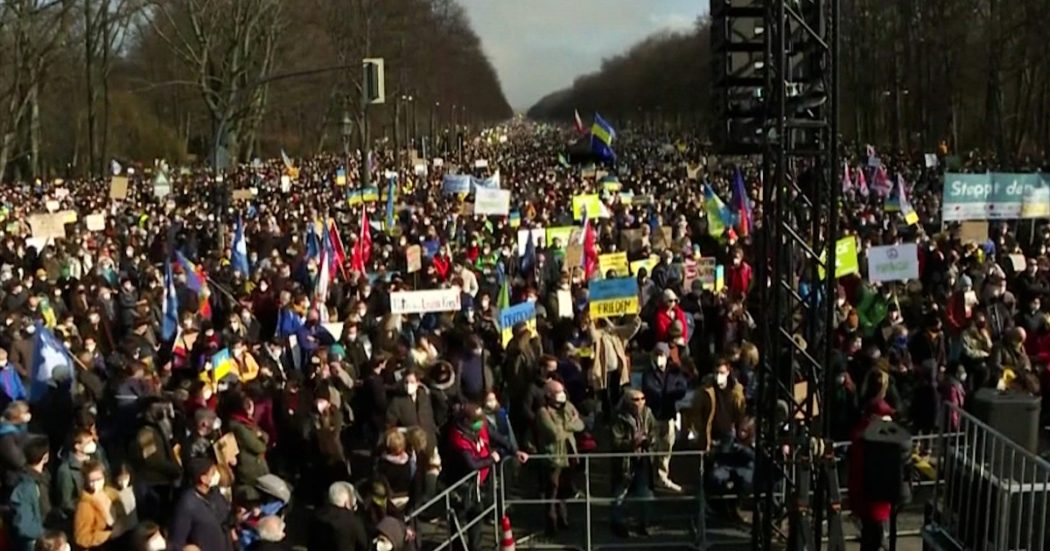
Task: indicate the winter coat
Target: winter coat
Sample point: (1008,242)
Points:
(337,529)
(404,411)
(556,433)
(624,428)
(200,520)
(700,416)
(251,443)
(609,344)
(663,389)
(91,528)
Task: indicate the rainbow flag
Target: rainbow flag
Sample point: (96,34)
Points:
(197,281)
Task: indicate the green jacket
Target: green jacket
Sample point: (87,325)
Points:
(624,427)
(871,310)
(556,433)
(251,457)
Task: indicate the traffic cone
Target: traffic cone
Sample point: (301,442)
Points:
(507,543)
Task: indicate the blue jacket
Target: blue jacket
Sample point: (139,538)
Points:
(27,517)
(11,384)
(663,390)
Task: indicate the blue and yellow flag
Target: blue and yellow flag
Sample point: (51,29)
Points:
(602,136)
(718,215)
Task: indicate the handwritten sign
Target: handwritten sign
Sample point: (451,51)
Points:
(422,302)
(118,187)
(615,263)
(95,222)
(48,226)
(893,263)
(414,258)
(613,297)
(492,202)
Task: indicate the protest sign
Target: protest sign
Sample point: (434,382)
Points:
(663,238)
(481,163)
(370,194)
(705,273)
(47,226)
(893,262)
(414,258)
(420,169)
(591,202)
(931,160)
(492,202)
(615,263)
(242,194)
(118,187)
(632,240)
(438,162)
(613,297)
(422,302)
(95,222)
(573,256)
(51,205)
(466,209)
(68,216)
(335,329)
(647,263)
(561,233)
(846,262)
(995,196)
(1018,262)
(456,183)
(538,236)
(519,313)
(565,304)
(974,231)
(340,177)
(286,183)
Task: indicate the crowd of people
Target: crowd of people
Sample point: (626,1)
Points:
(230,347)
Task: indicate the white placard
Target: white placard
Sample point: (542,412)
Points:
(51,205)
(539,235)
(481,163)
(286,183)
(420,169)
(95,222)
(439,162)
(422,302)
(931,160)
(893,262)
(492,201)
(565,304)
(334,328)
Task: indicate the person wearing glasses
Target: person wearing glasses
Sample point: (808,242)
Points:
(633,432)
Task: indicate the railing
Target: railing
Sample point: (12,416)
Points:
(990,494)
(590,500)
(449,503)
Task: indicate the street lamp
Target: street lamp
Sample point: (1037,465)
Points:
(348,129)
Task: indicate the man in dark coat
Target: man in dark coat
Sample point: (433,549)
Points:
(201,515)
(413,408)
(336,527)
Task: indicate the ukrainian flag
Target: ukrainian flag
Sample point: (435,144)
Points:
(602,136)
(221,366)
(718,215)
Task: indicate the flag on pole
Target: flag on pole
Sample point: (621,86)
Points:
(51,363)
(197,281)
(324,276)
(880,182)
(847,184)
(338,258)
(718,215)
(862,183)
(602,136)
(741,204)
(239,254)
(362,252)
(578,122)
(391,189)
(528,260)
(170,324)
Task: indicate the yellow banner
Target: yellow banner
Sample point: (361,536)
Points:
(613,307)
(614,262)
(592,202)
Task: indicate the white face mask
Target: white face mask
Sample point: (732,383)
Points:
(382,544)
(661,361)
(123,482)
(492,406)
(206,394)
(722,379)
(412,388)
(156,543)
(90,448)
(217,424)
(214,480)
(561,397)
(98,485)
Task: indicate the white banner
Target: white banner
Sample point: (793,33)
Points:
(422,302)
(539,236)
(492,201)
(481,163)
(893,262)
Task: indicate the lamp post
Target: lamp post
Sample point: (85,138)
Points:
(433,112)
(415,126)
(348,132)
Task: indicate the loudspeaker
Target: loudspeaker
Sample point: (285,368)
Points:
(1014,414)
(885,447)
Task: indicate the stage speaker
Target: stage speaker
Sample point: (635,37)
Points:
(885,446)
(1014,414)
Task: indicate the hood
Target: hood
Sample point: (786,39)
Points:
(394,530)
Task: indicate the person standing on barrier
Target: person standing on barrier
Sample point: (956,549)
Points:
(664,385)
(557,424)
(634,430)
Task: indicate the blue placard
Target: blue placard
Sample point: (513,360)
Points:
(518,313)
(456,183)
(605,289)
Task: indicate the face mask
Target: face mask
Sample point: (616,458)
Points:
(206,394)
(217,425)
(382,544)
(492,406)
(90,448)
(412,388)
(561,398)
(156,543)
(476,425)
(27,418)
(98,485)
(722,379)
(123,482)
(661,361)
(214,480)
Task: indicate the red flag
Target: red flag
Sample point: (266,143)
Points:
(846,183)
(338,252)
(578,122)
(862,183)
(590,250)
(363,248)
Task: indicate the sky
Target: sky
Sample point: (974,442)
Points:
(539,46)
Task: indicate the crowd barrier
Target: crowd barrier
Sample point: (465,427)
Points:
(458,519)
(990,493)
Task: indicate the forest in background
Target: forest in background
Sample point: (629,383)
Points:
(974,73)
(86,81)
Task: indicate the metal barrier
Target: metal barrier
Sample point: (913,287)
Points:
(589,500)
(450,503)
(990,493)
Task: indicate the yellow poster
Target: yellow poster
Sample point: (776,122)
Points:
(615,263)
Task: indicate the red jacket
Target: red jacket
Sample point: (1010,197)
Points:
(738,279)
(876,511)
(475,455)
(442,266)
(663,321)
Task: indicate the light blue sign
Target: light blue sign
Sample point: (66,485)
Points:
(996,196)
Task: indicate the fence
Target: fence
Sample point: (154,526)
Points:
(990,492)
(461,512)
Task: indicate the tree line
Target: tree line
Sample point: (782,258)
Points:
(972,73)
(86,81)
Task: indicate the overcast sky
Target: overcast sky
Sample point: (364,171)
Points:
(539,46)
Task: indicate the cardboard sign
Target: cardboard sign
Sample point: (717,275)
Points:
(52,205)
(705,273)
(48,226)
(573,256)
(481,163)
(242,194)
(466,209)
(438,162)
(974,231)
(663,239)
(893,262)
(615,263)
(632,240)
(118,187)
(414,258)
(95,222)
(565,304)
(422,302)
(492,202)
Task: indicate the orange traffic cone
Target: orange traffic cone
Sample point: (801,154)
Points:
(507,543)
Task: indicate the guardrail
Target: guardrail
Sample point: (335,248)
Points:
(449,503)
(990,492)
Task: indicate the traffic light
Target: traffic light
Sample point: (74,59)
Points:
(374,83)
